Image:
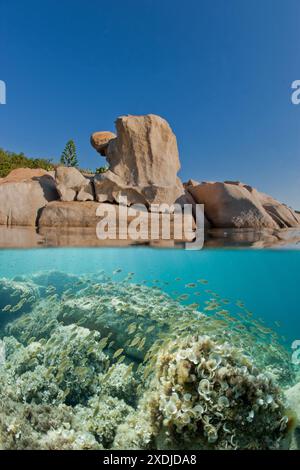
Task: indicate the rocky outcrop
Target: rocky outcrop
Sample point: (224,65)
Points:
(293,400)
(143,165)
(72,185)
(87,215)
(143,162)
(231,205)
(191,183)
(100,141)
(16,298)
(283,216)
(110,187)
(69,214)
(22,174)
(23,193)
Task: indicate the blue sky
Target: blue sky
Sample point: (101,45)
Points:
(219,71)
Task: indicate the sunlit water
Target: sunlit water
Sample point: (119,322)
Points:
(267,281)
(141,348)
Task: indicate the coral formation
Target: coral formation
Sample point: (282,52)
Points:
(208,394)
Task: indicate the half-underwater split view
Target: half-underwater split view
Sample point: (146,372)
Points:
(149,227)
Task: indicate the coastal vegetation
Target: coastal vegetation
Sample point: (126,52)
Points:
(10,161)
(69,155)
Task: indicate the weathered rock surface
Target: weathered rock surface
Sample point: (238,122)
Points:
(23,193)
(72,185)
(145,151)
(87,214)
(284,216)
(143,163)
(69,214)
(100,141)
(110,187)
(293,399)
(116,306)
(22,174)
(191,182)
(231,205)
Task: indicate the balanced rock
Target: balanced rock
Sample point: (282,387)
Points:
(72,185)
(143,162)
(23,193)
(100,141)
(231,205)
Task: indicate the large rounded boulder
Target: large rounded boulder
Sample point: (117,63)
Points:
(231,205)
(23,194)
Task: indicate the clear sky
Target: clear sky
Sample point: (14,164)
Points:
(219,71)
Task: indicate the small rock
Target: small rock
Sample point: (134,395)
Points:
(72,185)
(100,141)
(293,400)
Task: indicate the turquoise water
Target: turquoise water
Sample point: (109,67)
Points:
(140,348)
(267,281)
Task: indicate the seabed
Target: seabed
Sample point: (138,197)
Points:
(117,359)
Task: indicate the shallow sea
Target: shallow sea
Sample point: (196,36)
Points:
(267,281)
(147,348)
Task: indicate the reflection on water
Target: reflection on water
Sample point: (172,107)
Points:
(25,237)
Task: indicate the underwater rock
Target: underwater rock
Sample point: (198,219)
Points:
(54,394)
(74,357)
(119,382)
(101,417)
(113,364)
(22,426)
(208,395)
(53,281)
(293,399)
(71,360)
(133,315)
(37,324)
(16,298)
(137,431)
(69,439)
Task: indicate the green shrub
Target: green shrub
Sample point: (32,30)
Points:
(102,169)
(10,161)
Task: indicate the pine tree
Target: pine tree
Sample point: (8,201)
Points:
(69,156)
